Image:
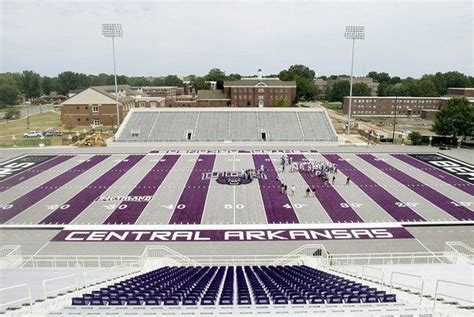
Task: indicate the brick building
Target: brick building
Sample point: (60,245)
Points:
(96,105)
(385,106)
(461,92)
(259,92)
(212,98)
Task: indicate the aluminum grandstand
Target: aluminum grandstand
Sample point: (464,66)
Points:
(220,124)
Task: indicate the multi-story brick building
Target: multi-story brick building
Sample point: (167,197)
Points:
(385,106)
(96,105)
(461,92)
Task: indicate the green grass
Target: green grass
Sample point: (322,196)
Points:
(39,121)
(336,106)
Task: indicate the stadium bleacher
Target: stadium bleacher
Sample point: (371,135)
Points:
(292,124)
(260,285)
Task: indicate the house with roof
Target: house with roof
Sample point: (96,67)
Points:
(96,106)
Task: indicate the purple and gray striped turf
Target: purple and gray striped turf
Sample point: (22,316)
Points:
(26,201)
(146,187)
(85,197)
(328,197)
(436,198)
(273,200)
(30,173)
(439,174)
(193,197)
(382,197)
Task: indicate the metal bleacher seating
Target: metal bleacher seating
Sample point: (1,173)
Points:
(212,285)
(212,126)
(158,125)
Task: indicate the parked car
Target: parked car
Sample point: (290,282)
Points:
(33,134)
(52,132)
(56,105)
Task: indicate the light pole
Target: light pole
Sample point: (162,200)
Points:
(395,118)
(114,30)
(353,32)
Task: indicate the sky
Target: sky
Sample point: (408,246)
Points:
(404,38)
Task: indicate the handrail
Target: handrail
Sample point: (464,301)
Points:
(76,285)
(96,279)
(394,258)
(303,248)
(363,267)
(450,296)
(392,282)
(2,305)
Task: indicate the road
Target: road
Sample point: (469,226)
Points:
(35,110)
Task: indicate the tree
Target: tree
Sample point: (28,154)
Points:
(338,91)
(304,78)
(31,84)
(282,102)
(427,88)
(216,75)
(172,80)
(379,77)
(295,71)
(306,89)
(233,77)
(199,83)
(12,114)
(66,82)
(361,89)
(46,85)
(456,118)
(415,138)
(8,95)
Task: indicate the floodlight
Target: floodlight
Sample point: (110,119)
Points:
(353,32)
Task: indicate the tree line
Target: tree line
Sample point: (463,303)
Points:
(31,85)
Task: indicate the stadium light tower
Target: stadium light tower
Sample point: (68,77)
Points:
(353,32)
(114,30)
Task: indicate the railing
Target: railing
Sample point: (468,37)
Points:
(376,274)
(28,299)
(438,293)
(403,284)
(55,291)
(307,250)
(460,248)
(161,251)
(392,258)
(11,254)
(102,274)
(84,261)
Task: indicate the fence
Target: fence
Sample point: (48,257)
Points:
(78,261)
(392,258)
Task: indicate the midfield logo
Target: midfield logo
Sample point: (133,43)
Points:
(228,178)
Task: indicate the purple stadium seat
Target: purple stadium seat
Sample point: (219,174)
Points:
(260,285)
